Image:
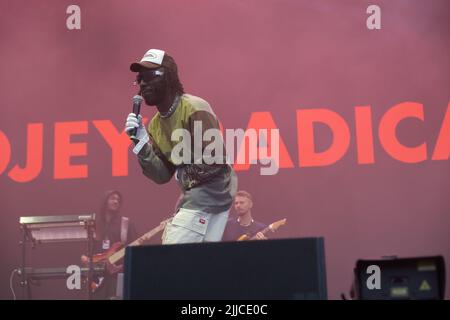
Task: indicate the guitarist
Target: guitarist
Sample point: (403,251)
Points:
(111,228)
(243,223)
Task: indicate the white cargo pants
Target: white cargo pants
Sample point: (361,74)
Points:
(189,226)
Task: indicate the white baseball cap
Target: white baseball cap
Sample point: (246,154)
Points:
(152,59)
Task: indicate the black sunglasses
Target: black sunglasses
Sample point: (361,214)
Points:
(148,75)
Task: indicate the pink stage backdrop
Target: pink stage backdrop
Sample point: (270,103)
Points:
(363,116)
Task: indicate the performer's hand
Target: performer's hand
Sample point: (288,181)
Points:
(260,236)
(135,122)
(141,138)
(84,259)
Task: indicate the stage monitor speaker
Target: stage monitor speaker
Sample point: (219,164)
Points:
(251,270)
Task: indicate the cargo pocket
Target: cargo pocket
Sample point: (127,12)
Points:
(187,226)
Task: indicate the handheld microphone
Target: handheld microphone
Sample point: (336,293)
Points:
(137,100)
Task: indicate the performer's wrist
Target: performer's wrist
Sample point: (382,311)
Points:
(140,144)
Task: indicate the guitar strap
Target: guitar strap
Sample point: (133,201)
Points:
(124,230)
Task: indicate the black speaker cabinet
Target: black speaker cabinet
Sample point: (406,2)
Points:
(252,270)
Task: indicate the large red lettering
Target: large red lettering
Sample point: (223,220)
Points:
(442,148)
(5,152)
(119,143)
(308,157)
(65,150)
(364,134)
(388,138)
(33,166)
(262,121)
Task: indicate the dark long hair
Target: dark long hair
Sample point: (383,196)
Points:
(173,81)
(100,219)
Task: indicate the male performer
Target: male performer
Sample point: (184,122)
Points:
(243,223)
(207,188)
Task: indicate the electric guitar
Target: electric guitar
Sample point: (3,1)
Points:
(272,227)
(117,251)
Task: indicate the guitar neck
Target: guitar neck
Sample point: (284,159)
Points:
(121,253)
